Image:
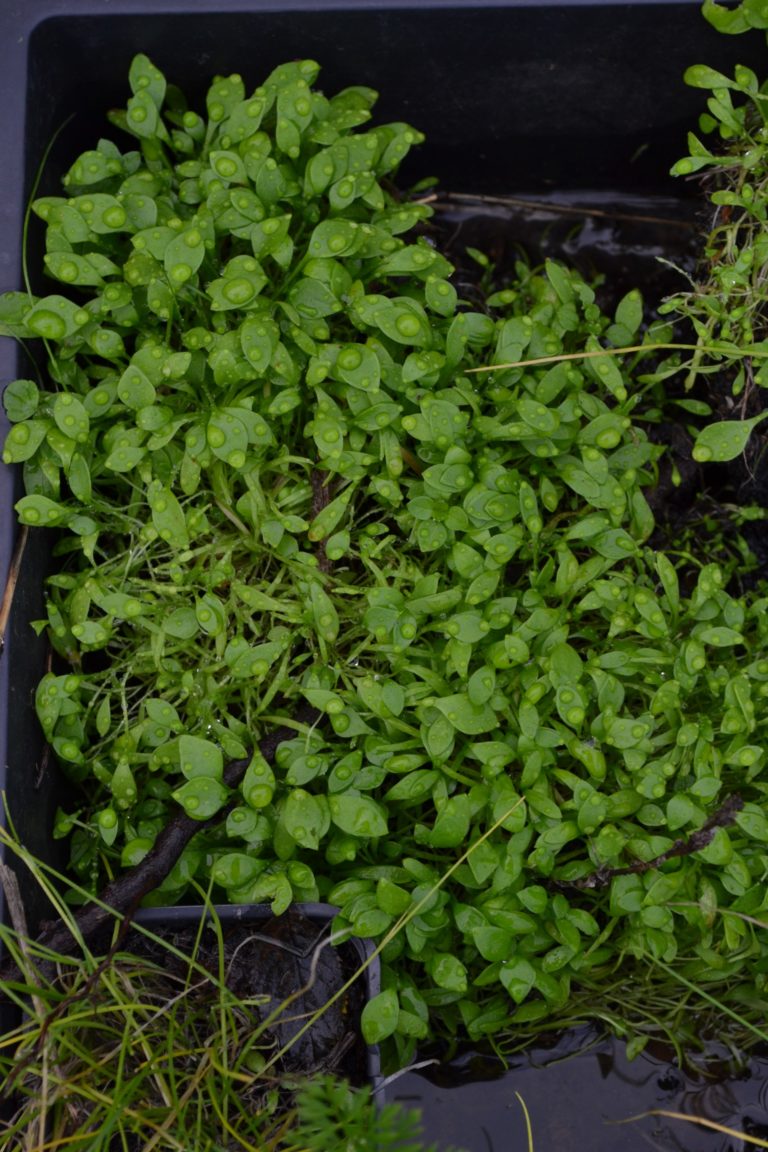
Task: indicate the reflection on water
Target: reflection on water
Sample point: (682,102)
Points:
(579,1089)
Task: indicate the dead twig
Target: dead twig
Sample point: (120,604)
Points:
(10,585)
(697,840)
(446,200)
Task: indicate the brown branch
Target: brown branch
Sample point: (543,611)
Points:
(124,894)
(697,840)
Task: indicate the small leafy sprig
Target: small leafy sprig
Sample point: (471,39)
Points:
(331,1115)
(727,306)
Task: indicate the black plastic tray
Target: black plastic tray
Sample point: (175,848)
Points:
(513,97)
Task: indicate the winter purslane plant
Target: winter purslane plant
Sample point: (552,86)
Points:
(277,479)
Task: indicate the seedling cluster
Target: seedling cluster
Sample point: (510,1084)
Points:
(276,478)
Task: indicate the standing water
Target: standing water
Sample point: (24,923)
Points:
(581,1092)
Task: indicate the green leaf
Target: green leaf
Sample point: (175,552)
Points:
(311,299)
(324,613)
(392,898)
(71,417)
(258,785)
(183,256)
(481,685)
(629,312)
(560,279)
(753,822)
(720,636)
(439,739)
(102,213)
(23,440)
(167,515)
(199,757)
(228,166)
(40,511)
(700,76)
(55,318)
(13,309)
(123,786)
(327,519)
(358,815)
(440,295)
(627,895)
(142,117)
(518,977)
(725,440)
(134,389)
(358,366)
(181,623)
(452,824)
(250,661)
(379,1017)
(72,268)
(306,817)
(401,319)
(335,238)
(756,14)
(447,971)
(681,810)
(565,665)
(236,869)
(143,76)
(537,416)
(118,604)
(668,577)
(465,716)
(240,285)
(201,797)
(605,370)
(210,615)
(227,437)
(729,20)
(20,400)
(259,337)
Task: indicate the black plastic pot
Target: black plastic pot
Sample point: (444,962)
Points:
(270,961)
(282,965)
